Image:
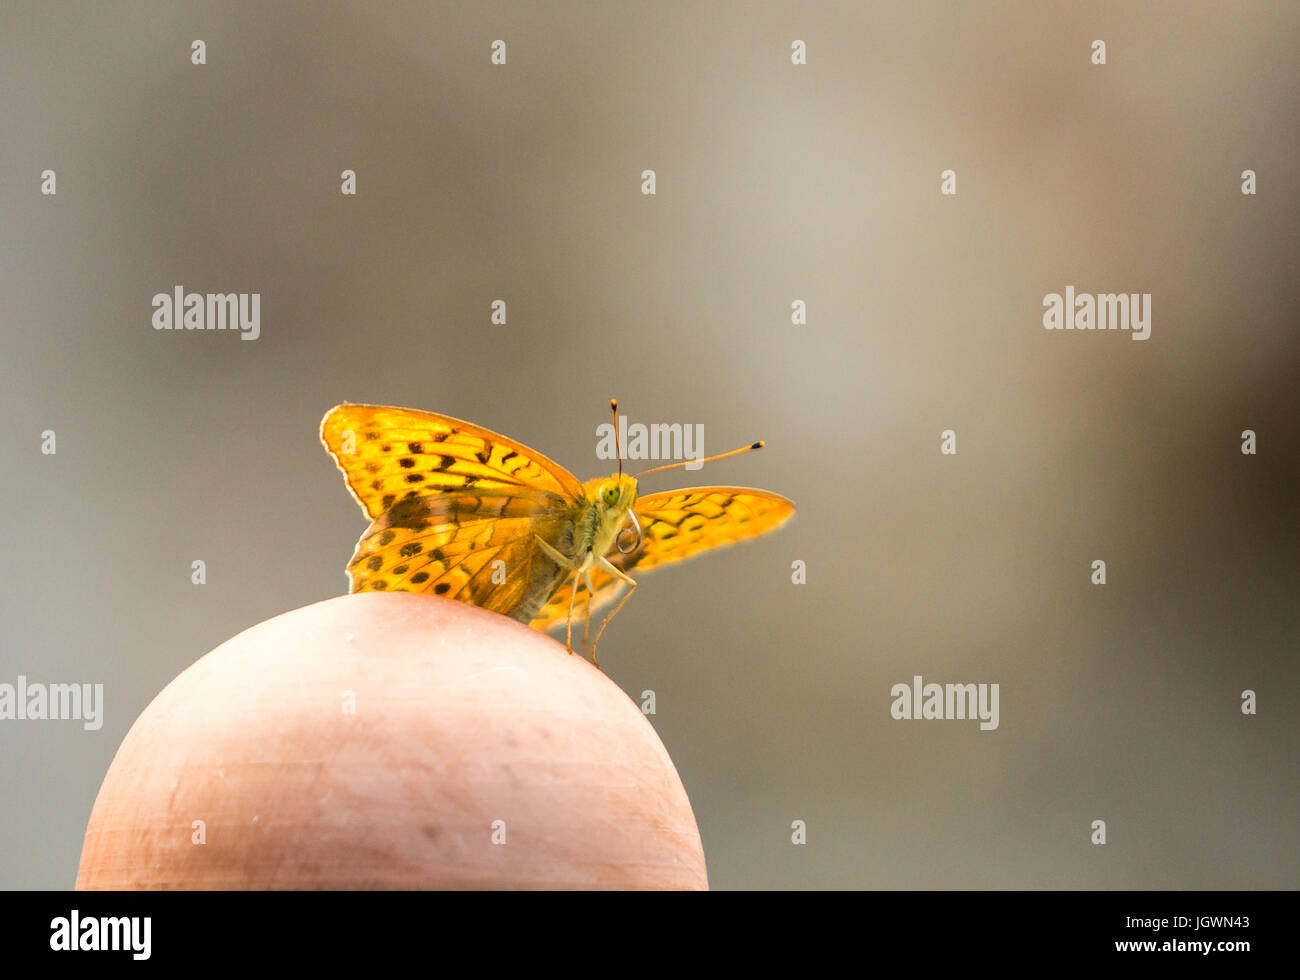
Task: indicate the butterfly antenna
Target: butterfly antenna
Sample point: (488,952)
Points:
(613,407)
(707,459)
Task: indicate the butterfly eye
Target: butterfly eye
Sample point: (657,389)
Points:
(610,493)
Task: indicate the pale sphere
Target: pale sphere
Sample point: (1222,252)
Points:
(391,740)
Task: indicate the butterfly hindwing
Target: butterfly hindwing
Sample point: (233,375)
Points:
(676,525)
(491,562)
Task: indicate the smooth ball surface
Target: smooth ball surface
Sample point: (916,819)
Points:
(391,740)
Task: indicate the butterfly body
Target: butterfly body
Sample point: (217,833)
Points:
(465,513)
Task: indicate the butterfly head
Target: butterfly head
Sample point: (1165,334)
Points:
(613,499)
(616,495)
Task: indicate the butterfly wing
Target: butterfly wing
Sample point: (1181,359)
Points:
(677,525)
(492,562)
(388,454)
(455,508)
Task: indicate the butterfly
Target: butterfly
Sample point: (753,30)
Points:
(465,513)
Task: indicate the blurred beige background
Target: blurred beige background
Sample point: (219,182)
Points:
(775,183)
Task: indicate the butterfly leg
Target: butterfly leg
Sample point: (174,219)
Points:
(554,555)
(568,622)
(622,576)
(568,563)
(586,619)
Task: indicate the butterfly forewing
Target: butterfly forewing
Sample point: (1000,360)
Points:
(399,453)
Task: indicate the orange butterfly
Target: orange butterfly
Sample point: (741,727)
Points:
(462,512)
